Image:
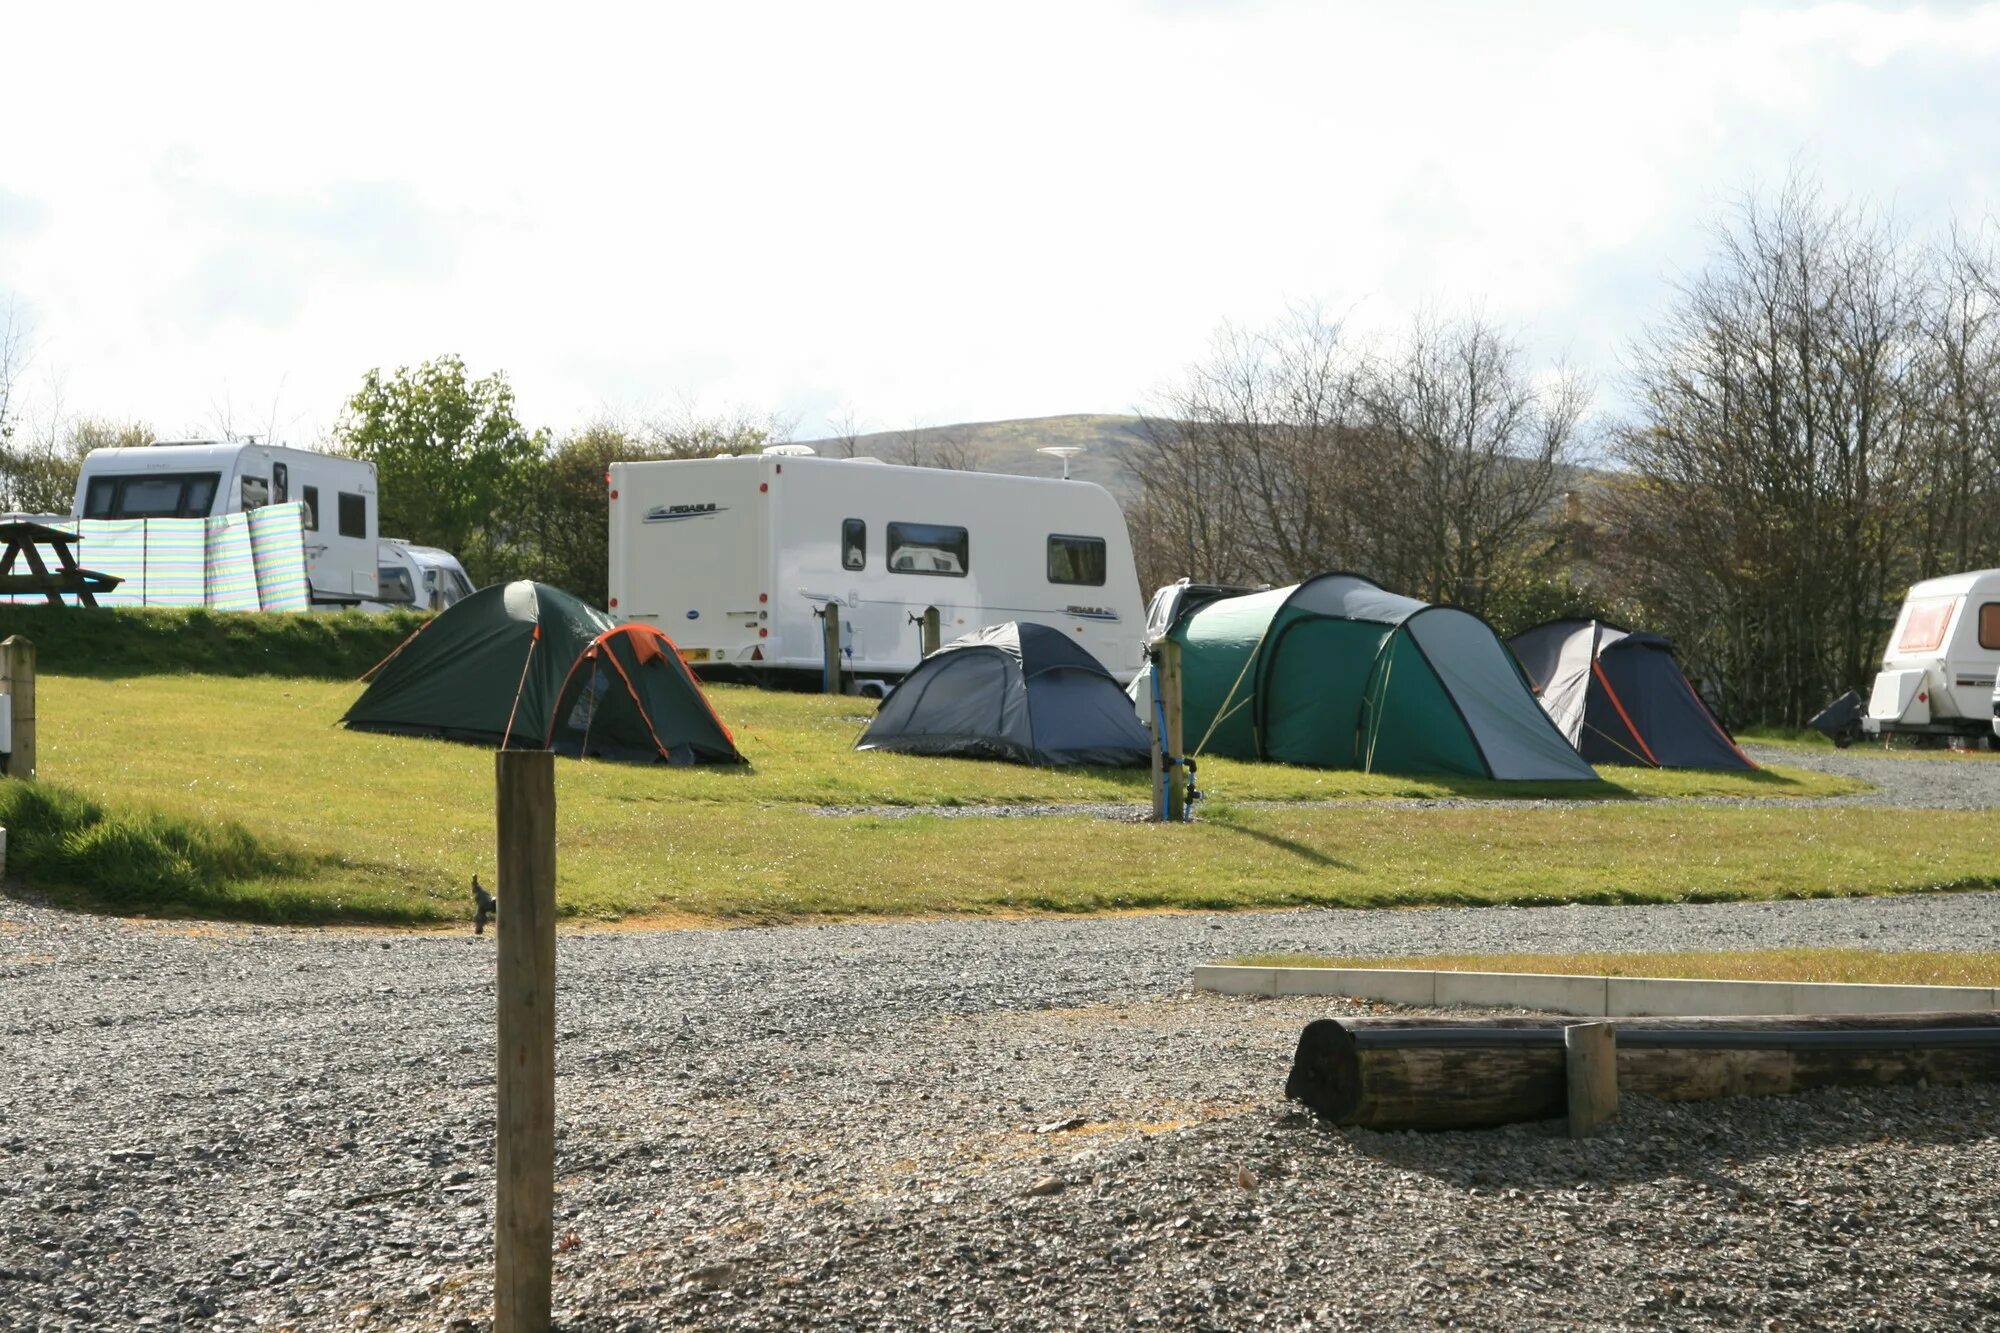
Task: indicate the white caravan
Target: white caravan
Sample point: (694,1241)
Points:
(205,479)
(1937,677)
(733,558)
(417,578)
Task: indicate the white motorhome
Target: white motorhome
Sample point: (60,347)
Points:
(1937,676)
(207,478)
(417,578)
(733,558)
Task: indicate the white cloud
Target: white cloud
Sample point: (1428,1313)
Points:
(926,212)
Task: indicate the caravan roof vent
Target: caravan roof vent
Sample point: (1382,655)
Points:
(790,450)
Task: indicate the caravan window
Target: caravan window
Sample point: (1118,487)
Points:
(353,515)
(853,544)
(395,585)
(281,490)
(311,495)
(97,500)
(1076,560)
(174,495)
(929,548)
(256,493)
(1989,625)
(1924,625)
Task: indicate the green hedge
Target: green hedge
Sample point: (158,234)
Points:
(143,641)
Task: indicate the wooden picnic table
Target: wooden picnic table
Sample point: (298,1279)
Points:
(25,538)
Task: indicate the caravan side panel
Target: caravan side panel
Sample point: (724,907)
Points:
(755,547)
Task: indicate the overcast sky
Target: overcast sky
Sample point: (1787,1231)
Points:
(920,214)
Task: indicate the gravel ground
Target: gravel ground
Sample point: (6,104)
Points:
(1925,779)
(952,1124)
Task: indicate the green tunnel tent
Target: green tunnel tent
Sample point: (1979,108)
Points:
(629,697)
(458,676)
(1338,672)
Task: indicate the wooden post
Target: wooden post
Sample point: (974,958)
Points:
(524,1167)
(1158,812)
(17,676)
(830,631)
(1170,696)
(1590,1052)
(933,630)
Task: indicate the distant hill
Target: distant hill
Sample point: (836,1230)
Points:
(1009,446)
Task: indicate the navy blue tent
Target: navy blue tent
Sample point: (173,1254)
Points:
(1620,697)
(1019,691)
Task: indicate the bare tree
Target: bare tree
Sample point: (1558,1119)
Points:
(1772,456)
(844,434)
(930,446)
(1957,471)
(1465,456)
(16,351)
(688,433)
(1241,476)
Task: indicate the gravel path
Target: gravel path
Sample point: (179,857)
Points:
(953,1124)
(1928,779)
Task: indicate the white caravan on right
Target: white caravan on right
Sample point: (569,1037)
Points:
(1937,676)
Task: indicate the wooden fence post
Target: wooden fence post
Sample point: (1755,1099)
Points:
(17,677)
(1590,1057)
(830,631)
(1170,696)
(524,1168)
(933,630)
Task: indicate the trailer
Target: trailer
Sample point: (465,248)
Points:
(1937,676)
(417,578)
(209,478)
(737,559)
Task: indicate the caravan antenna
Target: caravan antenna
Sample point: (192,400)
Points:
(1062,451)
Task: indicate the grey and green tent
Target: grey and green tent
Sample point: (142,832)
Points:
(1338,672)
(461,675)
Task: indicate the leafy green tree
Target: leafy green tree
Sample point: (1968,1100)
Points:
(39,477)
(455,465)
(566,528)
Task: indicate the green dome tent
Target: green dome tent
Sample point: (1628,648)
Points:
(460,675)
(1337,672)
(630,697)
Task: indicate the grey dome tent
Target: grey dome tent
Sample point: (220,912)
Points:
(1019,691)
(1621,697)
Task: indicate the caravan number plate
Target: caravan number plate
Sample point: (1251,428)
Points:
(694,654)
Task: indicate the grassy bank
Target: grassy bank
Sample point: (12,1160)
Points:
(146,860)
(140,641)
(391,829)
(1873,966)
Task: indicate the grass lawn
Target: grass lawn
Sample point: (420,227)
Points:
(1876,966)
(391,829)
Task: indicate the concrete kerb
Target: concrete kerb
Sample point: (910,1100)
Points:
(1590,997)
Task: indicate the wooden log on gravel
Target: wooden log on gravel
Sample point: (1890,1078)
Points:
(1452,1073)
